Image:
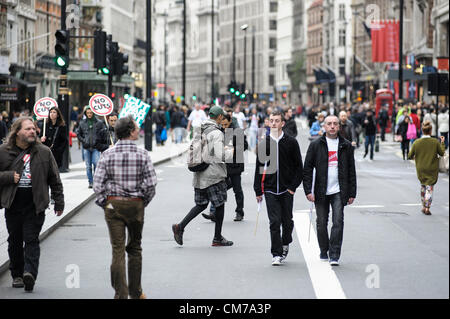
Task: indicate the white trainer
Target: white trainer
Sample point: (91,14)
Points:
(276,261)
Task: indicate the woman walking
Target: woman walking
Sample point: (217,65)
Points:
(403,132)
(425,152)
(55,134)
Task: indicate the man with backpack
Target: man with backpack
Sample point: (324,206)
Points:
(210,174)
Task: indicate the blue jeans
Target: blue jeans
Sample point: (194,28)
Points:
(334,242)
(179,132)
(159,129)
(91,158)
(370,140)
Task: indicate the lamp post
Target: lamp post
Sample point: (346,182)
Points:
(244,28)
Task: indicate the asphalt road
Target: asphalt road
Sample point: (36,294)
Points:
(390,249)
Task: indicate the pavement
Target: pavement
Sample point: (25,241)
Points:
(77,194)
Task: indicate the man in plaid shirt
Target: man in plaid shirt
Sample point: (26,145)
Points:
(124,184)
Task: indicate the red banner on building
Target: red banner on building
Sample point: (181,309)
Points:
(385,41)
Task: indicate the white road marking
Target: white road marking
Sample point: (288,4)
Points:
(365,206)
(324,280)
(411,205)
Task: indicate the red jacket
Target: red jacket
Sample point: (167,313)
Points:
(416,120)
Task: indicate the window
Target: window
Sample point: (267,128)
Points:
(273,24)
(273,6)
(271,80)
(271,61)
(342,37)
(273,43)
(342,12)
(341,66)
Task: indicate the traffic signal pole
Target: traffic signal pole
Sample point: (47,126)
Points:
(148,125)
(63,97)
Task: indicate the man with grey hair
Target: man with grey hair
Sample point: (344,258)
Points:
(347,130)
(335,184)
(124,192)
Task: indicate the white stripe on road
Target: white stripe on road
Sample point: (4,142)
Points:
(324,280)
(411,205)
(365,206)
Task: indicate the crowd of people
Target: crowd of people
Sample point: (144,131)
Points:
(328,172)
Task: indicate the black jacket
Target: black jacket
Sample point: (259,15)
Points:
(88,135)
(317,157)
(104,136)
(371,127)
(285,172)
(44,173)
(236,168)
(159,118)
(56,139)
(3,131)
(290,128)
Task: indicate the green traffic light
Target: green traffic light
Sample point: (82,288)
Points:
(61,62)
(105,71)
(243,96)
(238,93)
(194,98)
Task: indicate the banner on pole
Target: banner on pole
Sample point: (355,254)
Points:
(137,108)
(385,41)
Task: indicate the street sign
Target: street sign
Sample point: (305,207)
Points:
(137,108)
(42,106)
(101,105)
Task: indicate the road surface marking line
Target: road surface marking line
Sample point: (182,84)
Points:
(365,206)
(324,280)
(410,204)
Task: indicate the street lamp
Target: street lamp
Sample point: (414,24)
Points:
(244,28)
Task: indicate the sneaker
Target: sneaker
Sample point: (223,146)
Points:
(334,262)
(324,257)
(178,234)
(91,185)
(276,261)
(222,242)
(238,218)
(209,216)
(285,252)
(18,282)
(28,280)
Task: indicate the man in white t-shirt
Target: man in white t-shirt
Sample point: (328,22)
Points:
(196,118)
(332,158)
(240,117)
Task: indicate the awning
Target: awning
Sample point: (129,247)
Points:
(17,80)
(408,75)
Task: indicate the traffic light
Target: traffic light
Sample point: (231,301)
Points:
(99,50)
(320,92)
(194,97)
(62,48)
(284,95)
(232,87)
(120,60)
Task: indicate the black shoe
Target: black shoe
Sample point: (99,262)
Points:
(209,216)
(18,282)
(285,252)
(90,185)
(221,242)
(178,234)
(28,280)
(324,256)
(238,218)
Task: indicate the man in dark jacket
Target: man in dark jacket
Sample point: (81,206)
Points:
(159,118)
(370,130)
(334,184)
(106,137)
(88,135)
(27,169)
(290,128)
(278,173)
(383,119)
(3,129)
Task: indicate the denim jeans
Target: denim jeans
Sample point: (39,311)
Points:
(279,209)
(179,132)
(370,140)
(91,158)
(24,227)
(333,243)
(159,129)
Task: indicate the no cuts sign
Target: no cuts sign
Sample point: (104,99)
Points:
(101,105)
(42,106)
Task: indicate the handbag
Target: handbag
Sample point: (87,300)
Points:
(411,134)
(443,163)
(164,135)
(398,138)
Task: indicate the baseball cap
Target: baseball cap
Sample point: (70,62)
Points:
(215,111)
